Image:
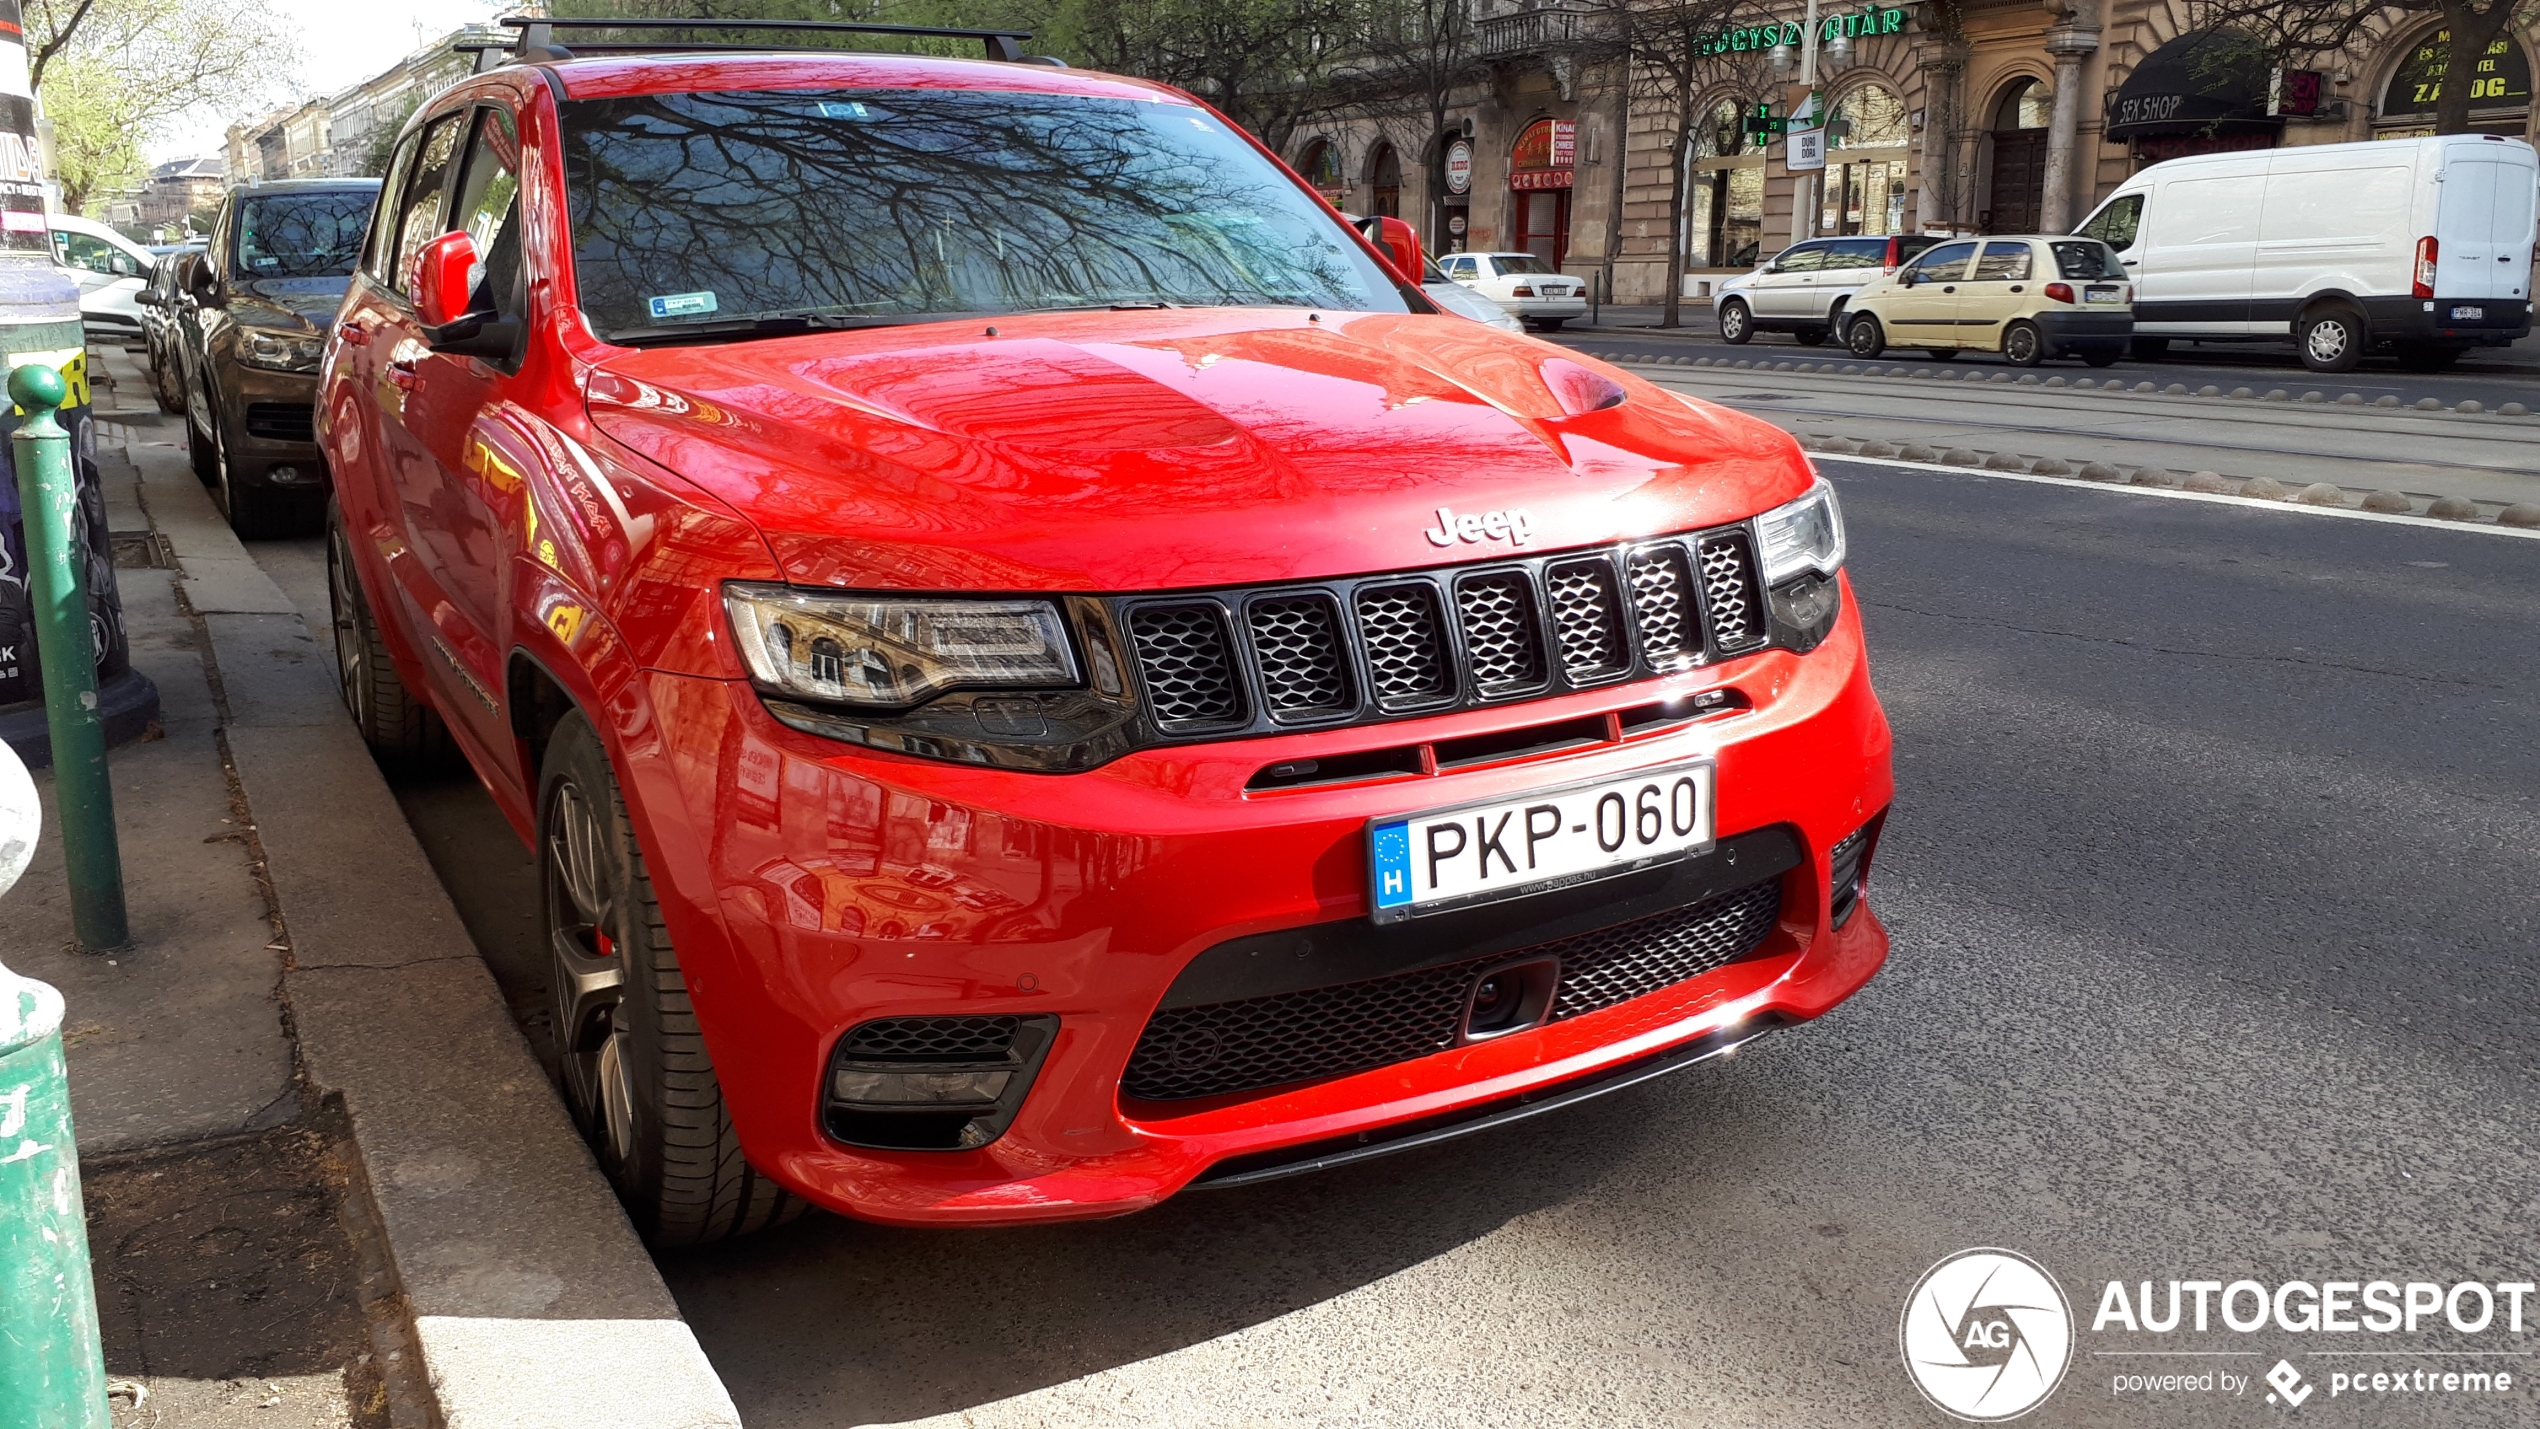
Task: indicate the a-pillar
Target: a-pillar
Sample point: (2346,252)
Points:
(2070,44)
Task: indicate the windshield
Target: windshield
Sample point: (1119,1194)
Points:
(1521,263)
(717,209)
(306,235)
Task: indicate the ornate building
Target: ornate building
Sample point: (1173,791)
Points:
(1979,116)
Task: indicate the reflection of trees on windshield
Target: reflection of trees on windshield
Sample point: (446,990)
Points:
(302,235)
(914,202)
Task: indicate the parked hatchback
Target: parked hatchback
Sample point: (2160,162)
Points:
(1807,287)
(1036,670)
(248,323)
(2028,299)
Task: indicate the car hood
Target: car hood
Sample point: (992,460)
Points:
(1163,450)
(287,302)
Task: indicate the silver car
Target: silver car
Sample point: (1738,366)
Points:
(1804,288)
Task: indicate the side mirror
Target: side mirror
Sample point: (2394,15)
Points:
(149,298)
(442,273)
(197,278)
(1402,241)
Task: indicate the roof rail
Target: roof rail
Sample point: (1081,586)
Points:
(537,43)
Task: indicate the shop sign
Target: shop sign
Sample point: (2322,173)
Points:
(1543,155)
(1807,150)
(1455,224)
(2501,77)
(1882,20)
(1459,167)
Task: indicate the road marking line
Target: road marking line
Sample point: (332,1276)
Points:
(2484,528)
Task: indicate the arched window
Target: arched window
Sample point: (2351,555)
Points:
(1724,192)
(1865,187)
(1320,162)
(2499,88)
(1384,176)
(2015,187)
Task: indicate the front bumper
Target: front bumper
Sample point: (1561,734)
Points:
(268,425)
(812,887)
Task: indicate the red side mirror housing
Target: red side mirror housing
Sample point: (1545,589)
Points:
(444,272)
(1403,242)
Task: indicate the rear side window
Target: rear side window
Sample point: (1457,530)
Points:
(1806,258)
(487,210)
(2081,258)
(1853,253)
(1908,248)
(2004,263)
(2116,224)
(1945,262)
(419,205)
(380,258)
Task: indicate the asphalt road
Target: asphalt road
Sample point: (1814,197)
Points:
(2212,884)
(2493,376)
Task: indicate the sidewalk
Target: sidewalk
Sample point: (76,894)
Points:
(327,1182)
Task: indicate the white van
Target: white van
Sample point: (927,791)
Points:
(2419,246)
(109,269)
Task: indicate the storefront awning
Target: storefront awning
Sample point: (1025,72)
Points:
(2204,82)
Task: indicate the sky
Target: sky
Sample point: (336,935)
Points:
(341,42)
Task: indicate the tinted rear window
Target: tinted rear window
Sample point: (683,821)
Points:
(2083,258)
(305,235)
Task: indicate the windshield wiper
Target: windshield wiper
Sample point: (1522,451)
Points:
(768,325)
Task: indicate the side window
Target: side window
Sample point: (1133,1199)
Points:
(2003,263)
(94,254)
(1857,253)
(1942,264)
(489,200)
(2117,224)
(420,199)
(1805,258)
(380,252)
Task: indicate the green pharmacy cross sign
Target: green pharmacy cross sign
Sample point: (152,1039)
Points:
(1762,125)
(1887,20)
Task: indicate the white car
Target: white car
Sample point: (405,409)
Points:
(1464,302)
(109,269)
(1805,288)
(1526,287)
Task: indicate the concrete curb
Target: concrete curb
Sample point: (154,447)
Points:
(533,1303)
(2319,495)
(2210,392)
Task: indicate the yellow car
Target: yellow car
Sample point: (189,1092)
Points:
(2027,298)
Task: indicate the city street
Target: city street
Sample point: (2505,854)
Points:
(2209,876)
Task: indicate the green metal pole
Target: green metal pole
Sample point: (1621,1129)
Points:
(48,494)
(52,1370)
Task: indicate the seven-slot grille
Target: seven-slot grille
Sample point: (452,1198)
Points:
(1256,1042)
(1343,652)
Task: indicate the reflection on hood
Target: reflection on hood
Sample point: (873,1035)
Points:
(282,302)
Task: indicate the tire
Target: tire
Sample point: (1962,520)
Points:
(396,725)
(1864,338)
(631,1061)
(1737,325)
(2101,357)
(1941,354)
(2023,345)
(1810,336)
(163,388)
(2331,339)
(198,450)
(2429,358)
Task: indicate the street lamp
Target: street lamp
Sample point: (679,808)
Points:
(1781,61)
(1838,47)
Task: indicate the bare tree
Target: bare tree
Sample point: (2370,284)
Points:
(1673,55)
(1405,70)
(110,73)
(2294,30)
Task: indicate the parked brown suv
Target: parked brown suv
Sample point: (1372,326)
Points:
(247,327)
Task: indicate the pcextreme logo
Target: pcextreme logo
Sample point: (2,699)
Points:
(1986,1335)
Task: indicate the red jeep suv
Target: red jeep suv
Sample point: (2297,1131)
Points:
(1038,669)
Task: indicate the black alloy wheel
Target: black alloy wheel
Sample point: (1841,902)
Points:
(395,724)
(1864,338)
(1736,323)
(2022,346)
(2332,339)
(630,1058)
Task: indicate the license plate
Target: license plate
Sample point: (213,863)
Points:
(2103,293)
(1533,843)
(2460,313)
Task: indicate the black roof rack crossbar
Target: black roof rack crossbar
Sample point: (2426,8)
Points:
(538,40)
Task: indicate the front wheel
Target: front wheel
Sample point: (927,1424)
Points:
(1863,338)
(632,1062)
(1736,323)
(2022,346)
(2332,340)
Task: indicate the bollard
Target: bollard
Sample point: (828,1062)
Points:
(83,792)
(52,1370)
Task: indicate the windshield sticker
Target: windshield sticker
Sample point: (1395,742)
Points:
(682,305)
(843,109)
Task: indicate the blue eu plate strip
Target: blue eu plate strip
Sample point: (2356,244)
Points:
(1390,847)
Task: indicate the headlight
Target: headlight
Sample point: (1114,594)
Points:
(1801,536)
(280,350)
(892,653)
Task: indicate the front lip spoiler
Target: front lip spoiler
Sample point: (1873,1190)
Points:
(1312,1156)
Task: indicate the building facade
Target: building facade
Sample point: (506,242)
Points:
(346,133)
(1995,116)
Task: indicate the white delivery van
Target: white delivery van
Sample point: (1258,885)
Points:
(2421,247)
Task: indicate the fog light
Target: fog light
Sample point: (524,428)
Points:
(286,476)
(971,1087)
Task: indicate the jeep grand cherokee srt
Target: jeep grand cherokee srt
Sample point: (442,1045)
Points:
(1037,670)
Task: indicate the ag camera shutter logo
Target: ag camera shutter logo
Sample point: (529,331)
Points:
(1987,1335)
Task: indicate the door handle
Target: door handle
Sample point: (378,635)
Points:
(354,333)
(2016,288)
(2131,262)
(401,374)
(1950,289)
